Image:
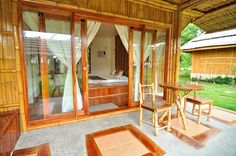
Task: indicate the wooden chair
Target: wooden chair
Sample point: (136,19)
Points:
(155,106)
(200,101)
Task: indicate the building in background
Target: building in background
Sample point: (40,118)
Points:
(213,54)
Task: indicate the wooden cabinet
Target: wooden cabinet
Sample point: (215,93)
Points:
(9,131)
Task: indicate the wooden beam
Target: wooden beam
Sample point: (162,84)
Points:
(216,11)
(190,4)
(178,44)
(72,26)
(84,66)
(156,4)
(193,13)
(44,67)
(23,108)
(142,55)
(130,80)
(154,42)
(167,62)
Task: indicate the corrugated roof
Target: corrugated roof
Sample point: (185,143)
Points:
(211,41)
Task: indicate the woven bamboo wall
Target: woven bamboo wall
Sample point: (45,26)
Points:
(127,8)
(215,61)
(11,91)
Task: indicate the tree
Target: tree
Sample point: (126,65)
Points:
(190,31)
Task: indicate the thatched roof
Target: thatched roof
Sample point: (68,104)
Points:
(209,15)
(221,39)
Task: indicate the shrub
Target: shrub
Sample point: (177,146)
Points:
(227,80)
(194,79)
(185,72)
(218,80)
(211,80)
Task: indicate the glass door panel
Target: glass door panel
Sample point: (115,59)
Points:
(47,45)
(78,62)
(148,57)
(136,63)
(160,60)
(154,59)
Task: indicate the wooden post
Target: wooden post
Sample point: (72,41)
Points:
(178,33)
(73,63)
(130,79)
(166,66)
(154,42)
(21,70)
(44,67)
(84,65)
(142,55)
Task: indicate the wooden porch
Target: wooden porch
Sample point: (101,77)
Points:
(21,19)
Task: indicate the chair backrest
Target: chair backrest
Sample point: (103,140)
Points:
(146,90)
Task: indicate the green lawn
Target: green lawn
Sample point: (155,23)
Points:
(223,95)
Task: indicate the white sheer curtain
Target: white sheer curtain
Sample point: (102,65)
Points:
(92,29)
(137,62)
(160,48)
(148,45)
(123,32)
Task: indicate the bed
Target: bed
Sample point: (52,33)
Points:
(108,89)
(92,79)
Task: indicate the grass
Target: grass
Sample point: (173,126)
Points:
(223,95)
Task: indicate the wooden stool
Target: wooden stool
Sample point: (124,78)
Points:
(199,101)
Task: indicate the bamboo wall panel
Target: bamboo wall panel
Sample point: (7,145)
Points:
(11,93)
(214,61)
(124,8)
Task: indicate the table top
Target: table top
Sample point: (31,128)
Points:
(128,135)
(181,86)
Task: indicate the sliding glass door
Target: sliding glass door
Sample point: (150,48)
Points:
(48,62)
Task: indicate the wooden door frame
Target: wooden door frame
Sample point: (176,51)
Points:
(75,14)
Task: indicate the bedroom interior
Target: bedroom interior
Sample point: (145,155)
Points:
(108,76)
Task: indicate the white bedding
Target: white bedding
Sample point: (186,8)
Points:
(109,78)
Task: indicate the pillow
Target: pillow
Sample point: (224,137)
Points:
(119,73)
(113,72)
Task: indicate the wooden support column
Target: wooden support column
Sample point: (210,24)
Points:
(84,65)
(142,55)
(167,61)
(44,67)
(73,62)
(178,44)
(130,80)
(154,60)
(21,70)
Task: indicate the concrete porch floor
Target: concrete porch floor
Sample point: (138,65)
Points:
(69,140)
